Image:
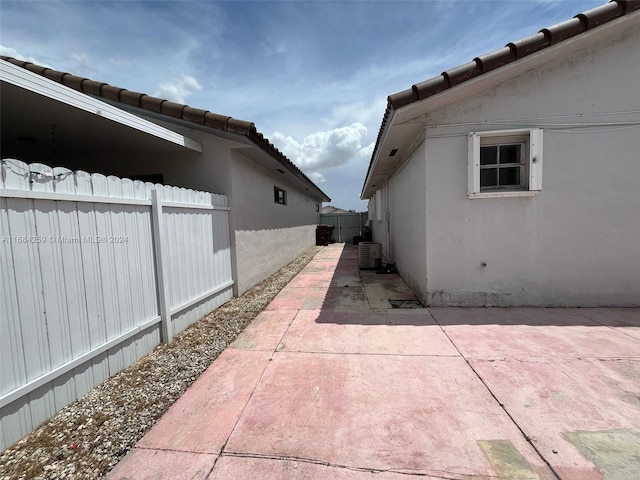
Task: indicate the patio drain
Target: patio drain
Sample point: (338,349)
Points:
(405,304)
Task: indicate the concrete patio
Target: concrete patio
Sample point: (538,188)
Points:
(330,382)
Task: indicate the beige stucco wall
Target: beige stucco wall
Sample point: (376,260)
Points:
(575,242)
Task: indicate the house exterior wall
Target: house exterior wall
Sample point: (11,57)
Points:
(265,236)
(576,241)
(573,243)
(406,241)
(268,235)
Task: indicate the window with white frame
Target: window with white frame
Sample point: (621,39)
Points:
(505,163)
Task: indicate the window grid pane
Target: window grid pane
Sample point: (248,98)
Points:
(501,166)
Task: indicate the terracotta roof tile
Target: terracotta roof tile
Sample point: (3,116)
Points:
(564,30)
(462,73)
(514,51)
(511,52)
(153,104)
(53,75)
(130,98)
(172,109)
(497,58)
(603,14)
(111,93)
(430,87)
(92,88)
(165,107)
(195,115)
(403,98)
(240,126)
(531,44)
(214,120)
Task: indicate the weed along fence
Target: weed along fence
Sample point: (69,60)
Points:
(95,272)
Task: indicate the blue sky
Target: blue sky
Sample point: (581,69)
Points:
(312,76)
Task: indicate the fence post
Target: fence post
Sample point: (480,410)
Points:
(163,295)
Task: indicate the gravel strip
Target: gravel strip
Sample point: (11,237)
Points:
(87,438)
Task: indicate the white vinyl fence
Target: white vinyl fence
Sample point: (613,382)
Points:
(95,271)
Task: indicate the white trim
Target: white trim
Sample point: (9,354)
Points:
(502,194)
(43,86)
(533,162)
(72,197)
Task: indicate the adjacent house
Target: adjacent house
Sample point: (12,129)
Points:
(513,179)
(60,119)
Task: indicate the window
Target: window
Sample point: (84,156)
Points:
(279,196)
(505,163)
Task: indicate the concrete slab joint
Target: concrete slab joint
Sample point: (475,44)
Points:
(330,381)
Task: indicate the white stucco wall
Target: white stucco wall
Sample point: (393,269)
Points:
(407,238)
(265,236)
(268,235)
(577,241)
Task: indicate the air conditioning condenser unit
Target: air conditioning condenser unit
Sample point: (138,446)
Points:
(370,254)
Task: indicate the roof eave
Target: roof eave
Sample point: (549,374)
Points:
(463,81)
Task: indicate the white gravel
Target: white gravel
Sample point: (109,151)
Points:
(86,439)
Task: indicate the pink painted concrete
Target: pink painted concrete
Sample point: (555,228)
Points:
(202,419)
(549,397)
(299,299)
(329,382)
(481,332)
(408,332)
(624,320)
(143,464)
(229,468)
(266,331)
(415,414)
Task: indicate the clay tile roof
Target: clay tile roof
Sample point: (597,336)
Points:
(153,104)
(509,53)
(165,107)
(92,88)
(528,45)
(130,98)
(172,109)
(516,50)
(195,115)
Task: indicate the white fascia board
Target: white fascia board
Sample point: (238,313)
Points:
(43,86)
(415,113)
(364,195)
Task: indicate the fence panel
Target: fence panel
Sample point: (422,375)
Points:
(346,225)
(79,287)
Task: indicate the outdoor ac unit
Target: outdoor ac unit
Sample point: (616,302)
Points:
(370,254)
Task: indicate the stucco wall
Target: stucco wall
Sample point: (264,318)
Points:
(268,235)
(407,200)
(576,241)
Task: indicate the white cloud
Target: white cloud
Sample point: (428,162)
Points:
(325,150)
(178,90)
(12,52)
(317,177)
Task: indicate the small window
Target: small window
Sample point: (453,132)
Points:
(505,163)
(279,196)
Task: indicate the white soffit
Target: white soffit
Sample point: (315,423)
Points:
(43,86)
